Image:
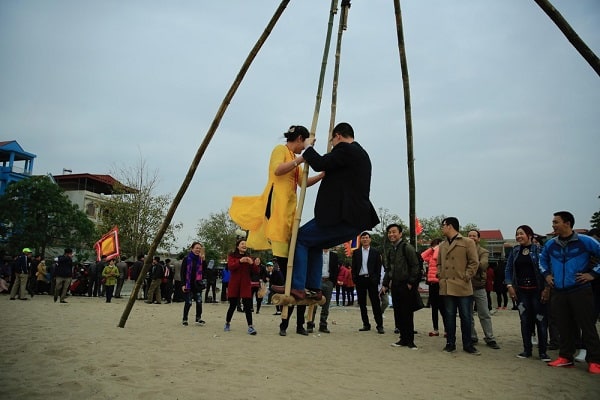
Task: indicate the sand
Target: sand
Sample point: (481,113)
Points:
(76,351)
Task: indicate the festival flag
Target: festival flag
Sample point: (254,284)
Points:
(352,245)
(108,245)
(418,226)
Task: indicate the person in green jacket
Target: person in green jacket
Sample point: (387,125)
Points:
(110,273)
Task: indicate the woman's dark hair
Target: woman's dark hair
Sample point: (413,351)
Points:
(435,242)
(527,229)
(236,250)
(594,232)
(295,131)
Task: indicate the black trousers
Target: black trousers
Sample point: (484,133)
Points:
(403,312)
(365,286)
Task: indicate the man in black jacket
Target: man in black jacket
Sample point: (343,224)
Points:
(64,275)
(342,207)
(366,273)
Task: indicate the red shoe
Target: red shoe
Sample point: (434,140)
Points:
(434,333)
(314,295)
(298,294)
(278,289)
(594,368)
(562,362)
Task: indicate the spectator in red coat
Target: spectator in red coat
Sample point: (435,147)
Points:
(241,265)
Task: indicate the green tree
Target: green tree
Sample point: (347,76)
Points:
(432,227)
(595,221)
(218,233)
(137,211)
(379,234)
(386,218)
(35,213)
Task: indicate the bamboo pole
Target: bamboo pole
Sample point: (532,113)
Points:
(408,118)
(313,128)
(570,34)
(199,153)
(336,71)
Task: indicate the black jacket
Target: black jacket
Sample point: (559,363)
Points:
(343,195)
(374,264)
(334,266)
(64,267)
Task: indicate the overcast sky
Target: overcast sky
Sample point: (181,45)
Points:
(506,113)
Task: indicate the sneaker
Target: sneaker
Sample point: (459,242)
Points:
(282,332)
(450,348)
(561,362)
(251,330)
(544,357)
(580,357)
(434,333)
(399,343)
(412,346)
(524,355)
(493,345)
(200,322)
(594,368)
(472,350)
(299,331)
(324,329)
(184,322)
(227,327)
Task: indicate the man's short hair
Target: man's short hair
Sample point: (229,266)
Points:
(566,217)
(390,226)
(344,129)
(68,251)
(453,221)
(476,231)
(365,233)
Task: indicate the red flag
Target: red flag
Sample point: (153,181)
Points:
(418,226)
(108,245)
(351,245)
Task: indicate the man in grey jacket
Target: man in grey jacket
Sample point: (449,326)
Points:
(480,295)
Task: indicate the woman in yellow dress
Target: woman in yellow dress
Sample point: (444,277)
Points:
(269,217)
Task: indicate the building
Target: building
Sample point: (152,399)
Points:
(16,164)
(494,242)
(87,191)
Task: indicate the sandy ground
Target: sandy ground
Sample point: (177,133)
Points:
(76,351)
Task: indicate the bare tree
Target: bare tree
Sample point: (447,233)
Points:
(137,210)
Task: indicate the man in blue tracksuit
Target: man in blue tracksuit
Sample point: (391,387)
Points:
(567,267)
